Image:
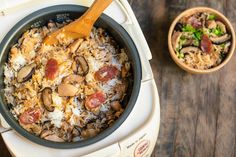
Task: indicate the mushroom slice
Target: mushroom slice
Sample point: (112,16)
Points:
(222,26)
(54,138)
(26,72)
(189,49)
(47,99)
(178,26)
(73,79)
(45,133)
(221,39)
(188,42)
(89,133)
(116,106)
(175,39)
(67,90)
(75,45)
(80,66)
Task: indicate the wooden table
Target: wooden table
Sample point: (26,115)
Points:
(198,116)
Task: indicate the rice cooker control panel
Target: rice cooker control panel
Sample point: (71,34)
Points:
(138,147)
(140,144)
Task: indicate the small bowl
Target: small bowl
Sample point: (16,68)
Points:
(190,12)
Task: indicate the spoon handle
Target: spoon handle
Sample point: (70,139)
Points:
(91,15)
(96,9)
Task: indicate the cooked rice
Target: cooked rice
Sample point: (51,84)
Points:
(70,120)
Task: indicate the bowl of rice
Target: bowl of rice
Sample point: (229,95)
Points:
(201,40)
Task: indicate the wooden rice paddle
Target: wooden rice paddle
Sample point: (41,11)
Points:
(81,27)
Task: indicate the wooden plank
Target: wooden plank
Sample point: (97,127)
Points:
(153,22)
(188,117)
(226,125)
(208,108)
(225,138)
(230,11)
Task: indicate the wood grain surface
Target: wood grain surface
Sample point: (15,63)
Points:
(198,117)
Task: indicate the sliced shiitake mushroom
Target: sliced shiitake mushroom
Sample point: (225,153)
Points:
(221,39)
(26,72)
(179,26)
(175,39)
(189,49)
(51,136)
(116,106)
(89,133)
(47,99)
(80,66)
(222,26)
(45,133)
(67,90)
(75,45)
(54,138)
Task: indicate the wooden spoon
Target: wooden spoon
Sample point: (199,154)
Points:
(81,27)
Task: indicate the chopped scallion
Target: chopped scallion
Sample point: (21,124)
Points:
(181,55)
(196,43)
(217,31)
(211,17)
(188,28)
